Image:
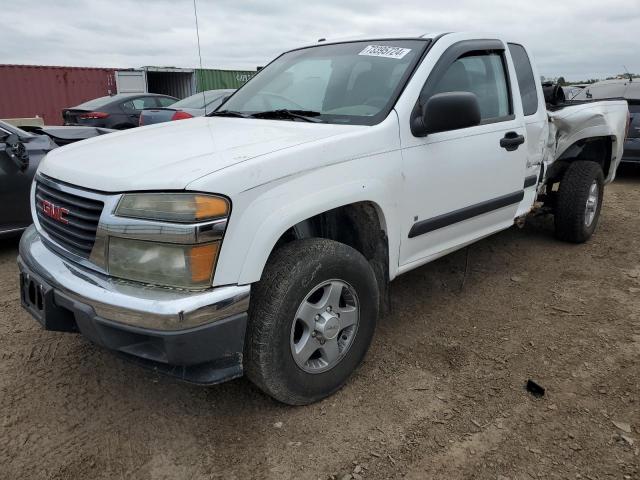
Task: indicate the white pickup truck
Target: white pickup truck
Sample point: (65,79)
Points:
(261,239)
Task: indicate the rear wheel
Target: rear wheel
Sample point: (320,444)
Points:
(579,201)
(311,320)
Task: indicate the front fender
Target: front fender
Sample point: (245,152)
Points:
(263,214)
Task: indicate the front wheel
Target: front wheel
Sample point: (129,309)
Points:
(311,320)
(579,201)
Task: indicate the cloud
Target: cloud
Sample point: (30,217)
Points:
(575,38)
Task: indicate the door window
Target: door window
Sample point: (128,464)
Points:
(482,74)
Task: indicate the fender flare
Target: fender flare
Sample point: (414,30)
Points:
(295,210)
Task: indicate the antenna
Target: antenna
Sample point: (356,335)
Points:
(204,98)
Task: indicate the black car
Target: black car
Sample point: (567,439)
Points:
(116,111)
(20,154)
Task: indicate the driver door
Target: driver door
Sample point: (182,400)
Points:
(464,184)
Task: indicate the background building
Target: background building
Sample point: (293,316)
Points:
(44,91)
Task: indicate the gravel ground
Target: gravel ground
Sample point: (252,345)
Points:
(440,394)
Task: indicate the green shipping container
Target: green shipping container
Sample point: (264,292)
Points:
(209,79)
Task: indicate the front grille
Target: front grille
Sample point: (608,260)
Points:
(75,228)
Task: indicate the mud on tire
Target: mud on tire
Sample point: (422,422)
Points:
(291,274)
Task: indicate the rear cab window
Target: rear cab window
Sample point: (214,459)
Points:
(526,81)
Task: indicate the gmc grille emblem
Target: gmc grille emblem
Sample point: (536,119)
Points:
(53,211)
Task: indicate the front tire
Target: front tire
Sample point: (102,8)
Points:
(579,201)
(311,320)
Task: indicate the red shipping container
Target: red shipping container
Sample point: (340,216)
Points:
(34,90)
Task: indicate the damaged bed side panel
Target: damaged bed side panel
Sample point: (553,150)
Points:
(573,123)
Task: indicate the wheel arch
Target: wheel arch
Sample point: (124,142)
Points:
(360,225)
(599,150)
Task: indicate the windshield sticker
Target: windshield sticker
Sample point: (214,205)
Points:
(384,51)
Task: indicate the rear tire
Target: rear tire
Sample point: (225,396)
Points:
(299,277)
(579,201)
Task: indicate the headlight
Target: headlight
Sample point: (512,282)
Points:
(172,207)
(186,266)
(159,259)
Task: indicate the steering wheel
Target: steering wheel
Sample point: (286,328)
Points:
(377,101)
(270,106)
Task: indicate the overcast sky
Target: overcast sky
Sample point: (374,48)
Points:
(578,39)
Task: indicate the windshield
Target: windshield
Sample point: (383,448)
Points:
(355,82)
(196,101)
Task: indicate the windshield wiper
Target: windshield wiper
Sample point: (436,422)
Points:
(306,115)
(227,113)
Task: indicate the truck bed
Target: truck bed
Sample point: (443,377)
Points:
(571,103)
(576,120)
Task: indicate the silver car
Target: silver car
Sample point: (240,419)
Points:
(196,105)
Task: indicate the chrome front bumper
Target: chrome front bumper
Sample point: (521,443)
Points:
(195,336)
(129,303)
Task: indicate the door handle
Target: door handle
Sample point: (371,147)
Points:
(511,141)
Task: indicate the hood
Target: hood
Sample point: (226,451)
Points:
(169,156)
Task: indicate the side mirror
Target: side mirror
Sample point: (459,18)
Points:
(447,111)
(16,151)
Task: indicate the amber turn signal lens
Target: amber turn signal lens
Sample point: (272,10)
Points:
(210,207)
(201,260)
(184,266)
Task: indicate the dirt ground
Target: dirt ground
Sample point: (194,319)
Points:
(440,394)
